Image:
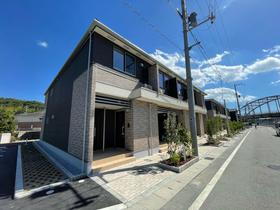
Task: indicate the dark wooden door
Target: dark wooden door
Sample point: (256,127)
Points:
(120,129)
(98,129)
(110,129)
(161,130)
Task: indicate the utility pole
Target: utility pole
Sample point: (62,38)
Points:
(227,124)
(237,101)
(192,19)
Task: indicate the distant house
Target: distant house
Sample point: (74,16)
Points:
(29,121)
(215,109)
(233,114)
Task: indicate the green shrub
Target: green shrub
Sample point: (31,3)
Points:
(175,159)
(178,138)
(186,140)
(235,126)
(7,121)
(213,128)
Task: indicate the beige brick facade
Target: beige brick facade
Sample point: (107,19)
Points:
(114,78)
(142,135)
(78,134)
(77,118)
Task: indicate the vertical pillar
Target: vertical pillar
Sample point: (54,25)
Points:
(104,129)
(153,77)
(268,107)
(185,120)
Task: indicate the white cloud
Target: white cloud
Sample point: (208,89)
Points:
(227,3)
(228,94)
(43,44)
(277,82)
(265,65)
(205,74)
(217,59)
(272,51)
(174,61)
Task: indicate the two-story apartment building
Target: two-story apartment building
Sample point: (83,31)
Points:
(215,109)
(112,94)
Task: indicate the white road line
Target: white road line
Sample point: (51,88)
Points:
(209,187)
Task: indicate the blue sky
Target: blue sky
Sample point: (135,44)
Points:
(37,37)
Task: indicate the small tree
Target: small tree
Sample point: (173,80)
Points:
(185,140)
(171,134)
(178,139)
(7,121)
(213,127)
(220,126)
(235,126)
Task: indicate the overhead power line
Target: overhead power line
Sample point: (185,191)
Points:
(151,25)
(213,67)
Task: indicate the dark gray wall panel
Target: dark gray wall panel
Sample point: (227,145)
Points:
(102,53)
(58,110)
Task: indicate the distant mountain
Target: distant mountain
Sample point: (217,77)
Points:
(19,106)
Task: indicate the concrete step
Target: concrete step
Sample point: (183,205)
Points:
(110,157)
(112,164)
(163,148)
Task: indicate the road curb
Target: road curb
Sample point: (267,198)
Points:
(19,177)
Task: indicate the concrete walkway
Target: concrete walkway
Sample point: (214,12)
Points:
(143,185)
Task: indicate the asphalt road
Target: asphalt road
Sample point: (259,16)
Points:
(250,181)
(8,159)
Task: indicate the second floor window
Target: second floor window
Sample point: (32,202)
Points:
(180,89)
(123,61)
(118,59)
(163,80)
(130,64)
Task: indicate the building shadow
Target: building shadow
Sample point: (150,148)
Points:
(135,170)
(81,201)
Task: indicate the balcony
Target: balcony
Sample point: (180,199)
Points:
(150,96)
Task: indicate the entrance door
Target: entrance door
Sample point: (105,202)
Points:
(120,129)
(161,130)
(98,129)
(110,129)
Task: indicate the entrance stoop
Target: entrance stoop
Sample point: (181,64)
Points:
(163,148)
(110,159)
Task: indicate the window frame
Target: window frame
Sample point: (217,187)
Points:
(161,74)
(123,60)
(125,53)
(180,91)
(166,77)
(135,63)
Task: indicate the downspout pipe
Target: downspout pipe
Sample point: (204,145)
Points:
(86,107)
(150,131)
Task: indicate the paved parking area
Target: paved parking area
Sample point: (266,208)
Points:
(71,195)
(8,158)
(37,170)
(85,194)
